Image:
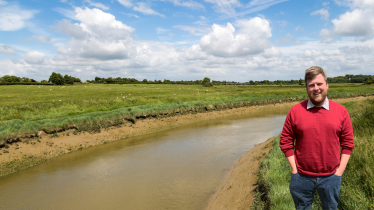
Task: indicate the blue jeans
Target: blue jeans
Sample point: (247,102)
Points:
(302,189)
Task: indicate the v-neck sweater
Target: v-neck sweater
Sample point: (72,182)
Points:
(319,135)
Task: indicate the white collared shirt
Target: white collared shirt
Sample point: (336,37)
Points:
(311,105)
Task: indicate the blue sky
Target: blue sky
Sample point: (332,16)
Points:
(185,39)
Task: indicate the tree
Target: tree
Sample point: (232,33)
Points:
(206,82)
(301,81)
(56,78)
(68,79)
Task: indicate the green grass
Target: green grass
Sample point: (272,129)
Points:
(25,110)
(357,188)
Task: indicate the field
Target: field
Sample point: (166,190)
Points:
(26,110)
(357,188)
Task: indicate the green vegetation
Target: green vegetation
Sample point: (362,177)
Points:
(26,110)
(357,189)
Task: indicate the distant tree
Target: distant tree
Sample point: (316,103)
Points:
(97,79)
(301,81)
(68,79)
(206,82)
(25,79)
(56,78)
(44,81)
(145,80)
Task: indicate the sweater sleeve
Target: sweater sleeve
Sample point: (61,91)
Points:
(286,142)
(346,135)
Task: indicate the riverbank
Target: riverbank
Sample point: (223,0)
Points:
(238,188)
(32,151)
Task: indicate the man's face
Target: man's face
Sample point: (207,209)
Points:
(317,90)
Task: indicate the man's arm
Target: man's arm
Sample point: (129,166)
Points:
(343,163)
(292,162)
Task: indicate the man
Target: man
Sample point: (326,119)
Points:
(321,127)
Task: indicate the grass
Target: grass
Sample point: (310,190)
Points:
(357,188)
(26,110)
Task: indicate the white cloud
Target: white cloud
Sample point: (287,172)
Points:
(99,5)
(326,36)
(146,9)
(34,57)
(251,38)
(284,40)
(225,6)
(12,18)
(323,12)
(42,38)
(298,42)
(2,2)
(126,3)
(7,49)
(271,52)
(98,36)
(359,22)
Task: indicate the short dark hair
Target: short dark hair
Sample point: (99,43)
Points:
(313,72)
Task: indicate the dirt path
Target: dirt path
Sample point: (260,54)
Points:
(34,151)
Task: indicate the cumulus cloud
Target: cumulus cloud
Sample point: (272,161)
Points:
(34,57)
(144,8)
(42,38)
(359,22)
(12,18)
(7,49)
(323,12)
(98,36)
(251,38)
(271,52)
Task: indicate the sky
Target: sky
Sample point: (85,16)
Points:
(232,40)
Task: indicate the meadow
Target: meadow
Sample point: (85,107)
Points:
(357,188)
(27,109)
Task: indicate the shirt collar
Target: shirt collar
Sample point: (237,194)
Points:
(325,105)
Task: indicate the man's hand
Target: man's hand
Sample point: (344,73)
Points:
(292,162)
(343,163)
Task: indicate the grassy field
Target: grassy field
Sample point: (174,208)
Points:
(25,110)
(357,188)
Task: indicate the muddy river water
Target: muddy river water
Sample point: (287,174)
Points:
(176,169)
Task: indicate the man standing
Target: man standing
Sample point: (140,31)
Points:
(320,127)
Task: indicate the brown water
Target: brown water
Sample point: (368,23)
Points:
(176,169)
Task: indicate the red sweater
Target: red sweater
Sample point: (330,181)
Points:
(319,134)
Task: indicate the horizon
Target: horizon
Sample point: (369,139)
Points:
(186,39)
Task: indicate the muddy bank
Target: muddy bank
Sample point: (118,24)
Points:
(238,188)
(32,151)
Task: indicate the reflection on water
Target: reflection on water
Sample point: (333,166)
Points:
(177,169)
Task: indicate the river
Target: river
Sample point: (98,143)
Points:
(175,169)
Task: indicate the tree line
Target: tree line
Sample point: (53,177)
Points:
(58,79)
